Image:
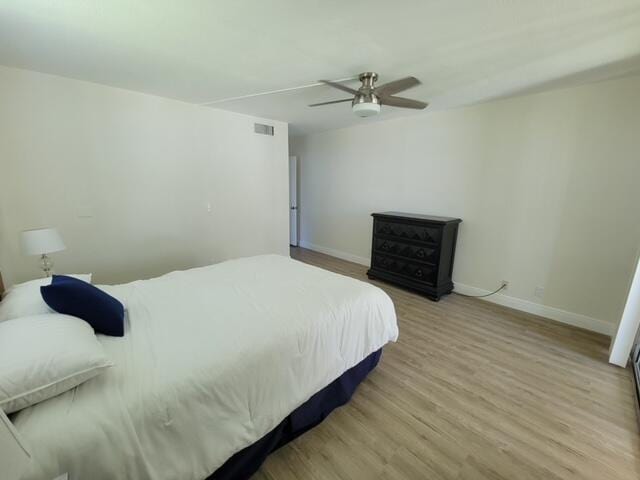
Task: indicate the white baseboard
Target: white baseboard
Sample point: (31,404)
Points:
(336,253)
(562,316)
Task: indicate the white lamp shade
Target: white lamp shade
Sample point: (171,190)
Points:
(41,241)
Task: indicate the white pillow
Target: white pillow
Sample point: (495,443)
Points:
(45,355)
(24,299)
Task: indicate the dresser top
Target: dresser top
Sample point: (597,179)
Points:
(417,216)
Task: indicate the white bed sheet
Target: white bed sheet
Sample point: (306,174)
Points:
(213,359)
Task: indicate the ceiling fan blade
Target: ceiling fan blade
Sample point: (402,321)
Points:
(403,102)
(396,86)
(329,103)
(339,86)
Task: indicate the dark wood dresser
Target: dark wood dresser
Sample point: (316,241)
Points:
(414,251)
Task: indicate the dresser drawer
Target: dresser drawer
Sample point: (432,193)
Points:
(408,251)
(415,271)
(407,231)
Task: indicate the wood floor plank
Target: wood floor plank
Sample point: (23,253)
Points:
(473,391)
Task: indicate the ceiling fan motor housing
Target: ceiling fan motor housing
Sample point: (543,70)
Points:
(366,103)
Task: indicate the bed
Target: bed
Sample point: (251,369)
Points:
(219,366)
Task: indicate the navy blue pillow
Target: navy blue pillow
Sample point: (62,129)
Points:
(71,296)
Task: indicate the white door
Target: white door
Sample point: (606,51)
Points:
(293,201)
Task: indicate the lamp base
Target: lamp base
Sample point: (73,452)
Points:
(46,264)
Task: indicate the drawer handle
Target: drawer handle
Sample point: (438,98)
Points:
(420,253)
(384,246)
(419,273)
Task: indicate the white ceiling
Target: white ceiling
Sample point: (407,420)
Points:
(201,51)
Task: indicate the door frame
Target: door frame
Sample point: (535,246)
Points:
(626,334)
(294,206)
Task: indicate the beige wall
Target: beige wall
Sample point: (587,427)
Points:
(144,168)
(547,186)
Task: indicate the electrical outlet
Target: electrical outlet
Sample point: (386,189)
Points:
(505,284)
(539,292)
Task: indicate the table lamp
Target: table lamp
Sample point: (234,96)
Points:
(41,242)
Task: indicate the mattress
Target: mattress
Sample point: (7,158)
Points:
(213,359)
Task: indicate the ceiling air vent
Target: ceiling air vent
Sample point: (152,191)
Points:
(263,129)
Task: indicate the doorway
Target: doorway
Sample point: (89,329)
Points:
(293,201)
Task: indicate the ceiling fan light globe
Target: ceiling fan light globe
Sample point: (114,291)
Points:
(366,109)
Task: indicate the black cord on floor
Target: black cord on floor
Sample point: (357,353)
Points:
(480,296)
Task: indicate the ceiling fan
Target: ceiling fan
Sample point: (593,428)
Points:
(367,99)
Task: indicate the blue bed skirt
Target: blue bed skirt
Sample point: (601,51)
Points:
(247,461)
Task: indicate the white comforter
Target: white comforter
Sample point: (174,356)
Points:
(212,360)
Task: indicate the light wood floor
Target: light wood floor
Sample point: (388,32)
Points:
(474,391)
